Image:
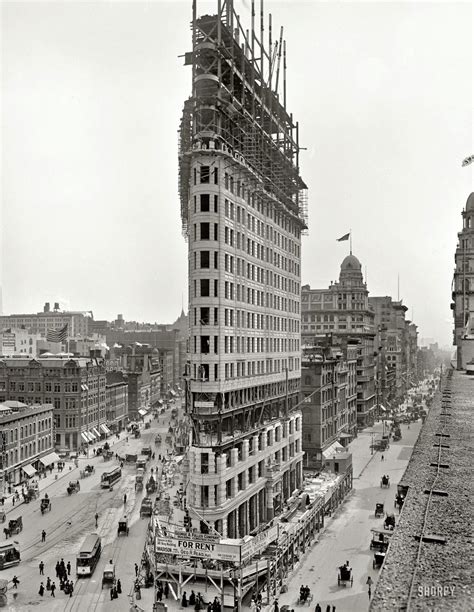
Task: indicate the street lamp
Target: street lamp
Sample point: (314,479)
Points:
(372,443)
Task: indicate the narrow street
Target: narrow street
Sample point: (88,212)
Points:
(347,534)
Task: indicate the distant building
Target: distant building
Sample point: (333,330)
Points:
(116,391)
(329,375)
(16,341)
(26,440)
(41,322)
(463,288)
(343,311)
(75,388)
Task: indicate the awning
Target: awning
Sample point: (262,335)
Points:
(382,408)
(84,436)
(104,428)
(96,432)
(29,470)
(50,458)
(160,402)
(344,435)
(173,393)
(142,412)
(332,450)
(91,436)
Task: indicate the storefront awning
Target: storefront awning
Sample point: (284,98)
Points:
(29,470)
(173,393)
(344,435)
(91,436)
(49,459)
(142,412)
(96,432)
(84,436)
(332,450)
(104,428)
(382,408)
(160,402)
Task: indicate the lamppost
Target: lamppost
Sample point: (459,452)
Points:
(372,443)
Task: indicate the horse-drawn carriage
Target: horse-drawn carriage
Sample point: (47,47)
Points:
(345,576)
(73,487)
(399,501)
(151,485)
(379,510)
(123,526)
(45,505)
(389,522)
(379,557)
(146,509)
(31,493)
(157,439)
(107,455)
(14,527)
(87,471)
(380,539)
(108,577)
(139,482)
(385,481)
(306,597)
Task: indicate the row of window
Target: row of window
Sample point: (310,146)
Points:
(245,320)
(206,372)
(204,287)
(49,387)
(27,451)
(204,175)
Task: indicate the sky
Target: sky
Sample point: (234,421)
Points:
(92,94)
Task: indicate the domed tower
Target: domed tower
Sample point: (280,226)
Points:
(463,288)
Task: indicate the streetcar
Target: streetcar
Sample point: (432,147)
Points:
(9,554)
(89,555)
(109,478)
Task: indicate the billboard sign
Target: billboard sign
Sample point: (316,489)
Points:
(259,543)
(192,547)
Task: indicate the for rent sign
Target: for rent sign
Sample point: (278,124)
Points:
(195,548)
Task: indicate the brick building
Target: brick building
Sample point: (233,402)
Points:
(75,388)
(26,440)
(116,392)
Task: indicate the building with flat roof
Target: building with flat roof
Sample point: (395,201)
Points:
(243,209)
(41,322)
(75,387)
(26,441)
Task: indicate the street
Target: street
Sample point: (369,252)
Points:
(71,519)
(347,534)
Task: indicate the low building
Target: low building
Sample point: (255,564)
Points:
(75,388)
(26,441)
(41,322)
(116,391)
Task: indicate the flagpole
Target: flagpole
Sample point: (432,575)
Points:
(350,239)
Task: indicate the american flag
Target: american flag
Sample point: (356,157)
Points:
(57,335)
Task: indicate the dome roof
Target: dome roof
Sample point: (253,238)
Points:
(470,203)
(351,263)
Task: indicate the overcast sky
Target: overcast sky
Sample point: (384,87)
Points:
(92,97)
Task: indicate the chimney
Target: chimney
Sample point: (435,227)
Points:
(46,307)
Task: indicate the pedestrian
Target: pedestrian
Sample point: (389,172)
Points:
(41,590)
(16,582)
(111,593)
(125,499)
(13,500)
(3,501)
(184,600)
(166,590)
(96,519)
(43,536)
(119,586)
(68,568)
(136,569)
(276,607)
(48,584)
(317,608)
(369,584)
(53,588)
(192,599)
(328,608)
(381,458)
(71,588)
(334,609)
(41,568)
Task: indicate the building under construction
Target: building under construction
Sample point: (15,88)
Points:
(243,208)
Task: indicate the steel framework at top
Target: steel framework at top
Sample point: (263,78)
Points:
(235,109)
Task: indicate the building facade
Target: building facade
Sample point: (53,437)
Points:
(26,436)
(41,322)
(463,288)
(116,393)
(343,311)
(75,388)
(243,212)
(329,386)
